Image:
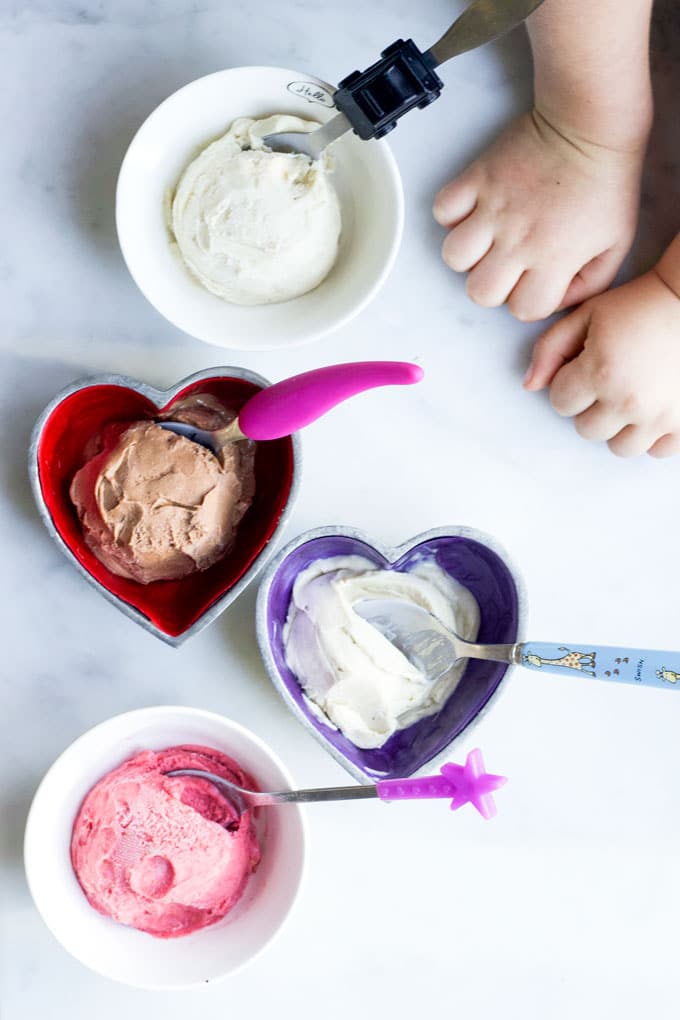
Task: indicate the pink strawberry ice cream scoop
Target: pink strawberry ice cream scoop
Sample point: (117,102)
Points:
(166,855)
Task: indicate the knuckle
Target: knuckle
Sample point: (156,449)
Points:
(604,371)
(631,405)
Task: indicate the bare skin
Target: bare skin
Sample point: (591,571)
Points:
(544,218)
(614,364)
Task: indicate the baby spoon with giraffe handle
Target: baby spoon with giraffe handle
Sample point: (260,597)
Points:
(289,405)
(464,784)
(433,648)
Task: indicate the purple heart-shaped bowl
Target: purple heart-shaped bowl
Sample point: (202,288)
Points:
(471,558)
(171,610)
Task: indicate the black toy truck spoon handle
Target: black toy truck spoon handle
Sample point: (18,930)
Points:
(375,99)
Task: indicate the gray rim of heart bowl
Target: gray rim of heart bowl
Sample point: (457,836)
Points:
(473,558)
(160,398)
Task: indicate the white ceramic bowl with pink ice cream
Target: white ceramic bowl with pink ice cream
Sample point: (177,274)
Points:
(122,952)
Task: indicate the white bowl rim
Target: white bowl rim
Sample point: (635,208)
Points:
(139,715)
(393,176)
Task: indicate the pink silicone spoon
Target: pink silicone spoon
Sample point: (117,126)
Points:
(291,404)
(464,784)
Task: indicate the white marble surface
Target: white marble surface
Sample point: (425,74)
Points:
(567,904)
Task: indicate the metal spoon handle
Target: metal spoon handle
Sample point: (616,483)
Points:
(480,23)
(490,653)
(323,793)
(639,666)
(231,433)
(469,783)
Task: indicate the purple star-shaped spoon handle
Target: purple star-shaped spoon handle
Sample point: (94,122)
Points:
(465,784)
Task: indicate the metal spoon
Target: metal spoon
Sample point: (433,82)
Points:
(289,405)
(465,784)
(434,649)
(371,102)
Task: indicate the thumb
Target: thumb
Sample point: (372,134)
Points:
(593,278)
(558,345)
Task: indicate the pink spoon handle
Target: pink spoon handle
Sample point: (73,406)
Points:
(291,404)
(465,784)
(427,788)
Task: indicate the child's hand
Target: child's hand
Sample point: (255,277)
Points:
(541,220)
(614,366)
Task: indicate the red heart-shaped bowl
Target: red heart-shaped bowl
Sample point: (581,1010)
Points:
(172,610)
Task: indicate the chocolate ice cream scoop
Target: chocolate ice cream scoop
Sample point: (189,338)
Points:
(154,506)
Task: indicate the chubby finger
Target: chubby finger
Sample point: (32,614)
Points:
(572,391)
(490,282)
(632,441)
(593,278)
(467,243)
(599,423)
(538,294)
(666,446)
(557,346)
(455,201)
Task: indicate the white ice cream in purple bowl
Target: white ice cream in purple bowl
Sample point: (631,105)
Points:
(350,687)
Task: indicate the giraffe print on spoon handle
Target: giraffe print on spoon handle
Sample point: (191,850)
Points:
(622,665)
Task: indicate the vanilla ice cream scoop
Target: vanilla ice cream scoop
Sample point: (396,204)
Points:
(255,226)
(351,674)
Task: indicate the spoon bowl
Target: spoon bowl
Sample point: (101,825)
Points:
(423,640)
(433,649)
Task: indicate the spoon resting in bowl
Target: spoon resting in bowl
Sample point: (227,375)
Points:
(464,784)
(371,102)
(289,405)
(434,649)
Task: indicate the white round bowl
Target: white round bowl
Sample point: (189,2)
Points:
(122,953)
(366,177)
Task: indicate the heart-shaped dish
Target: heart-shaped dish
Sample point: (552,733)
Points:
(472,558)
(171,610)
